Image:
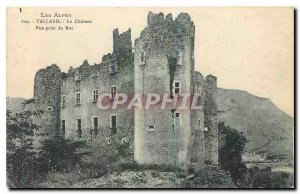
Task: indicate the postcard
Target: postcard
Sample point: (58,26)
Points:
(169,97)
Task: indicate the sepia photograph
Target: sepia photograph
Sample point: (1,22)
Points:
(150,97)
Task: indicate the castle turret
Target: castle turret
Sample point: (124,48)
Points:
(47,94)
(164,63)
(122,45)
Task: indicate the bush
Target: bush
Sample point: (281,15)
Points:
(265,178)
(230,154)
(60,154)
(22,166)
(209,177)
(25,165)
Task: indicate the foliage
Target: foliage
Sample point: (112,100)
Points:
(27,162)
(27,102)
(20,125)
(282,180)
(230,154)
(60,154)
(105,157)
(265,178)
(22,167)
(210,177)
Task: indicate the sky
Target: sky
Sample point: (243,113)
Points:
(249,49)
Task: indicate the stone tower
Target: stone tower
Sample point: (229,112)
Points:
(47,94)
(163,56)
(197,138)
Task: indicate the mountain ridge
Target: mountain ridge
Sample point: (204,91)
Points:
(268,129)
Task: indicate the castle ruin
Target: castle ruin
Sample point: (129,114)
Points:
(161,61)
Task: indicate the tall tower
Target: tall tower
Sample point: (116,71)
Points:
(164,63)
(47,94)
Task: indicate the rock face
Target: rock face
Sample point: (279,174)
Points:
(268,129)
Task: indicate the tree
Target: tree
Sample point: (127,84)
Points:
(27,164)
(21,156)
(60,154)
(230,154)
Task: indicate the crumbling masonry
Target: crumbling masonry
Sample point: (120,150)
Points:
(162,61)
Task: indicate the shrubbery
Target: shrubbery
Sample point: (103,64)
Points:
(230,153)
(230,157)
(60,154)
(57,157)
(28,164)
(265,178)
(210,177)
(21,164)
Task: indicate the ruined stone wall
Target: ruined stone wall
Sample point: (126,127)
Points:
(122,45)
(99,77)
(160,41)
(47,92)
(210,120)
(197,138)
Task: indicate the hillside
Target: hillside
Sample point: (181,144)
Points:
(15,104)
(267,128)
